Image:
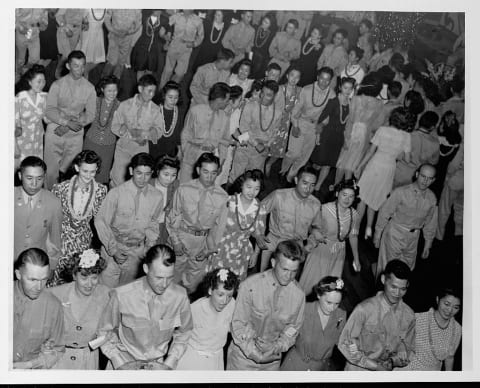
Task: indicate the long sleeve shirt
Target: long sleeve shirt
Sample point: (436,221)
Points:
(305,114)
(334,57)
(205,77)
(379,331)
(196,207)
(250,121)
(123,20)
(291,217)
(134,114)
(31,18)
(425,148)
(239,38)
(267,310)
(139,324)
(129,216)
(37,328)
(204,126)
(187,28)
(410,208)
(69,97)
(284,47)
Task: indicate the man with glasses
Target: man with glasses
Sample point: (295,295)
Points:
(408,210)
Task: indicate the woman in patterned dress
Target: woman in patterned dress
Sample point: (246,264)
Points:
(212,317)
(30,105)
(290,93)
(99,137)
(437,334)
(243,217)
(340,221)
(81,197)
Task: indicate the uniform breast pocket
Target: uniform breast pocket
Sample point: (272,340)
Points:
(169,323)
(124,216)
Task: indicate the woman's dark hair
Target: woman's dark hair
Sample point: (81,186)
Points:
(449,291)
(367,23)
(396,62)
(166,161)
(350,184)
(31,73)
(87,157)
(449,127)
(358,52)
(254,175)
(346,80)
(371,85)
(160,251)
(416,105)
(75,268)
(329,284)
(235,92)
(171,85)
(256,87)
(428,120)
(35,256)
(293,22)
(212,280)
(430,89)
(401,118)
(385,74)
(108,80)
(409,69)
(225,54)
(218,90)
(244,62)
(340,31)
(394,89)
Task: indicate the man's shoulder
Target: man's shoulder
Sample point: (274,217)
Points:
(296,290)
(50,299)
(129,287)
(408,312)
(50,198)
(178,291)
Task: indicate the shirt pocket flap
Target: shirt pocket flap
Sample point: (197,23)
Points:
(169,323)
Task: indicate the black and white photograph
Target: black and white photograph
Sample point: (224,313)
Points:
(202,193)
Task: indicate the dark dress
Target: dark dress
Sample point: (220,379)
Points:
(48,39)
(446,156)
(168,145)
(332,137)
(212,43)
(147,54)
(307,64)
(261,56)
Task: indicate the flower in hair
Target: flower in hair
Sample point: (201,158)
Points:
(339,284)
(223,274)
(88,258)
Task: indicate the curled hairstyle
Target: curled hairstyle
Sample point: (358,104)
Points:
(160,251)
(329,284)
(397,61)
(350,184)
(108,80)
(74,268)
(358,52)
(416,105)
(256,87)
(235,92)
(399,269)
(448,291)
(274,66)
(255,175)
(171,85)
(293,22)
(367,23)
(87,157)
(341,31)
(166,161)
(394,89)
(449,127)
(32,161)
(35,256)
(290,249)
(348,80)
(401,118)
(31,73)
(212,280)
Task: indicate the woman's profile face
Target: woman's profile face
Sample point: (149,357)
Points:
(266,23)
(218,18)
(315,34)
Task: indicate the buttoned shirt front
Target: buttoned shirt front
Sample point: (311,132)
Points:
(129,216)
(291,217)
(285,47)
(205,77)
(142,323)
(239,38)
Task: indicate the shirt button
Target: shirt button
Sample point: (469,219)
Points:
(79,328)
(73,358)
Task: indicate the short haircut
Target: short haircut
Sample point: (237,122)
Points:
(401,118)
(218,90)
(293,67)
(32,161)
(358,52)
(244,62)
(293,22)
(399,269)
(76,54)
(367,23)
(272,85)
(307,169)
(147,80)
(394,89)
(417,105)
(166,161)
(254,175)
(87,157)
(212,280)
(291,249)
(142,159)
(171,85)
(428,119)
(35,256)
(326,70)
(160,251)
(397,61)
(328,284)
(274,66)
(207,157)
(341,31)
(225,54)
(348,80)
(235,92)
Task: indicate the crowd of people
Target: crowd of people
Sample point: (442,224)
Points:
(199,220)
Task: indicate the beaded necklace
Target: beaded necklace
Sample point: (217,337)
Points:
(324,100)
(294,94)
(110,114)
(72,188)
(151,27)
(307,42)
(442,357)
(259,35)
(260,118)
(212,41)
(338,223)
(95,17)
(342,108)
(351,75)
(238,216)
(168,132)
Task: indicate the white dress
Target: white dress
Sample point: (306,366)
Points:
(91,42)
(209,335)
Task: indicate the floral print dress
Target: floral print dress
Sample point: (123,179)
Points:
(235,227)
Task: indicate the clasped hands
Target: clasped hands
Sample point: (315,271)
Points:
(141,137)
(73,124)
(264,352)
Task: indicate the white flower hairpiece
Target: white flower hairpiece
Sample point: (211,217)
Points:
(339,284)
(223,274)
(88,258)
